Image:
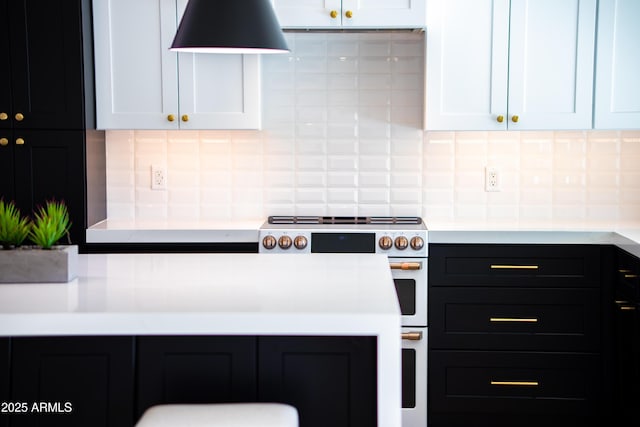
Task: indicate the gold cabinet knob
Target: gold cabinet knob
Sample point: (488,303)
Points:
(500,119)
(171,117)
(19,117)
(349,14)
(19,141)
(333,14)
(515,119)
(4,116)
(185,118)
(4,142)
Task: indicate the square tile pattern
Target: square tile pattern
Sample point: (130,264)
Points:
(342,135)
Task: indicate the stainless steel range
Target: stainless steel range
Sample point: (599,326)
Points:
(405,241)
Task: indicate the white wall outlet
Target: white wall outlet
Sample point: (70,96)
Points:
(158,177)
(491,179)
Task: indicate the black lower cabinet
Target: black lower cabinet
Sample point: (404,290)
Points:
(182,369)
(4,381)
(516,336)
(111,381)
(72,381)
(330,380)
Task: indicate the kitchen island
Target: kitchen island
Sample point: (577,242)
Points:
(221,295)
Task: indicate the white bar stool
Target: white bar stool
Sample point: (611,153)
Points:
(220,415)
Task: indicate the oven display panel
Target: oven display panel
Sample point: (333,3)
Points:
(352,243)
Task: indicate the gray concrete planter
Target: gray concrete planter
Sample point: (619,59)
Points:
(34,265)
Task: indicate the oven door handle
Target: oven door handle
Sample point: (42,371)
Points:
(412,336)
(405,265)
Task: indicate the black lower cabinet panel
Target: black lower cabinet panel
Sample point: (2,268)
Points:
(5,349)
(562,319)
(330,380)
(73,381)
(469,389)
(187,369)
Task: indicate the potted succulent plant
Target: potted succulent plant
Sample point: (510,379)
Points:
(43,261)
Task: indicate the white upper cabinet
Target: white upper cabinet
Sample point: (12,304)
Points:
(519,64)
(617,101)
(350,13)
(141,84)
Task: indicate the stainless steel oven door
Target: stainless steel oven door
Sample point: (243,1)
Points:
(414,377)
(410,278)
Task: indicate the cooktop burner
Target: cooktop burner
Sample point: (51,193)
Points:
(344,220)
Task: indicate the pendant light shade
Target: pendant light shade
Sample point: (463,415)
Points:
(229,26)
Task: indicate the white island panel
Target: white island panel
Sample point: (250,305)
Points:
(221,294)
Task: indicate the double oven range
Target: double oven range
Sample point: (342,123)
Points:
(404,241)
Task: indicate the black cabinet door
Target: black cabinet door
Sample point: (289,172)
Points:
(330,380)
(50,165)
(5,72)
(7,187)
(183,369)
(45,61)
(81,381)
(4,380)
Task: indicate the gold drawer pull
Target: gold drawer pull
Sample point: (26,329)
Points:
(405,265)
(630,276)
(516,383)
(624,271)
(513,319)
(513,267)
(627,308)
(412,336)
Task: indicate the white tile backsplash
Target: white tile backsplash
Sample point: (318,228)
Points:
(342,135)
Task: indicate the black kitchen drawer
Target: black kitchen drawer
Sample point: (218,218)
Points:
(628,275)
(513,389)
(514,265)
(543,319)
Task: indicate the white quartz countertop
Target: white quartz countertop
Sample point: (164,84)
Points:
(114,231)
(149,231)
(206,294)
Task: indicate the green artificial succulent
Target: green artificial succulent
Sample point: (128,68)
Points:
(51,222)
(14,228)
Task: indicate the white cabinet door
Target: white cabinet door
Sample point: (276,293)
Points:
(140,84)
(467,64)
(617,103)
(136,75)
(308,13)
(350,13)
(218,91)
(551,57)
(500,64)
(383,13)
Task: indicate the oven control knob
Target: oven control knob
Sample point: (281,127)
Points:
(269,242)
(417,243)
(401,243)
(300,242)
(385,242)
(285,242)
